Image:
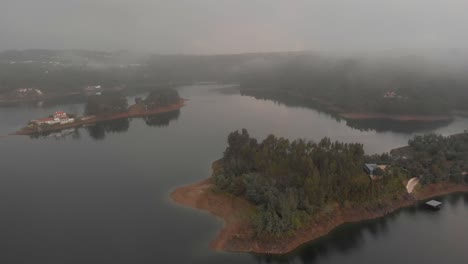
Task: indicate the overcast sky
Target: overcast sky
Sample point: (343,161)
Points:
(234,26)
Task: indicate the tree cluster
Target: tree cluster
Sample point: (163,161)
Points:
(290,181)
(359,85)
(110,102)
(161,97)
(435,158)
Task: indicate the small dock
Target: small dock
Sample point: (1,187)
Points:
(433,204)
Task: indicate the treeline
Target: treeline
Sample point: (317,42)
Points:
(435,158)
(162,97)
(110,102)
(290,181)
(60,71)
(360,85)
(113,102)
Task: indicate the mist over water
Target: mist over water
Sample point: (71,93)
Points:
(106,199)
(100,193)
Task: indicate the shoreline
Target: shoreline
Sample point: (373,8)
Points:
(5,102)
(402,117)
(133,111)
(236,234)
(328,107)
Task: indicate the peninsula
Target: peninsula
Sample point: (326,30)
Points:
(276,195)
(107,106)
(388,106)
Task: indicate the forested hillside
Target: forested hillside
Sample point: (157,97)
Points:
(435,158)
(406,85)
(290,181)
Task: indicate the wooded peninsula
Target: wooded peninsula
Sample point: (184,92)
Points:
(277,194)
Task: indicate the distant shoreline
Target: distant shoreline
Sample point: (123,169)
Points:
(403,117)
(237,233)
(323,105)
(133,111)
(27,100)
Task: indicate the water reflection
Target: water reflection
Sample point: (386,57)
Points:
(344,240)
(99,130)
(379,125)
(407,127)
(59,135)
(163,119)
(347,238)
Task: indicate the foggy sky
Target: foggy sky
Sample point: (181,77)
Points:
(235,26)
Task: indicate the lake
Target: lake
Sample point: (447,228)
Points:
(101,194)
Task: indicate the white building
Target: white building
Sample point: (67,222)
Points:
(59,117)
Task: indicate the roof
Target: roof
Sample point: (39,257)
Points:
(370,166)
(433,203)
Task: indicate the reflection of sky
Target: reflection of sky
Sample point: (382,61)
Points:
(116,190)
(263,117)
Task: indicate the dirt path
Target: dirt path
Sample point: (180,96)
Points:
(411,184)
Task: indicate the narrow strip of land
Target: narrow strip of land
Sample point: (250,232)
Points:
(133,111)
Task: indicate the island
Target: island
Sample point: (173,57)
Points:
(276,195)
(107,106)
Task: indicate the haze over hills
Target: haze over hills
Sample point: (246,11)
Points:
(419,84)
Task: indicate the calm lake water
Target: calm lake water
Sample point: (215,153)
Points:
(101,195)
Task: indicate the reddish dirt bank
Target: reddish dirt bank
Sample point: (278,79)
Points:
(232,210)
(133,111)
(237,233)
(424,118)
(433,190)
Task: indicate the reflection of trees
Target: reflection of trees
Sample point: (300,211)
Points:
(99,130)
(343,240)
(379,125)
(58,135)
(382,125)
(162,119)
(465,198)
(453,199)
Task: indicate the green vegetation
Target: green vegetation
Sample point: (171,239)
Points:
(387,85)
(435,158)
(356,84)
(107,103)
(112,102)
(162,97)
(62,71)
(291,181)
